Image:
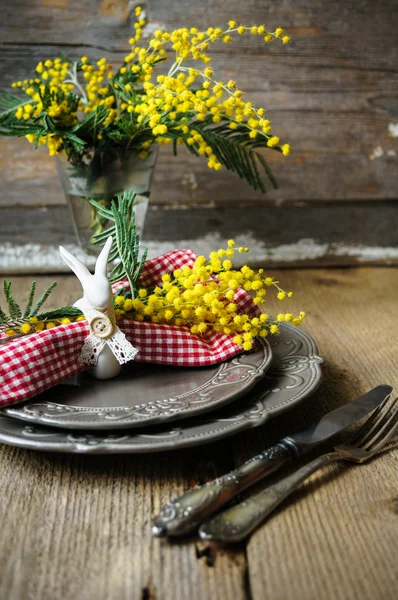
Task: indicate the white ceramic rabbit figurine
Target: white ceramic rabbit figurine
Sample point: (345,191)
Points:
(106,347)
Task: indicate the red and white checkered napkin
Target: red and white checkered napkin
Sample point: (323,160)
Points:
(33,363)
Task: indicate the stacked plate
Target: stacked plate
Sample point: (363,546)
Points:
(151,408)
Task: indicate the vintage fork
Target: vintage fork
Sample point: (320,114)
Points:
(236,523)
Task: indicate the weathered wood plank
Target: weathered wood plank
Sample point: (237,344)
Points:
(86,530)
(328,29)
(256,69)
(314,171)
(303,234)
(337,536)
(78,527)
(331,93)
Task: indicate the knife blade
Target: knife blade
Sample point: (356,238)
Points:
(185,513)
(337,420)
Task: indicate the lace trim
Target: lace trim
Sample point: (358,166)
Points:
(121,347)
(91,350)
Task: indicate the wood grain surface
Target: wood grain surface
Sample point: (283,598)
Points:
(332,93)
(78,527)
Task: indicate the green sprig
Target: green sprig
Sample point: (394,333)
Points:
(236,151)
(126,248)
(17,317)
(42,299)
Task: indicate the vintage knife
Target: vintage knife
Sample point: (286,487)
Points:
(184,514)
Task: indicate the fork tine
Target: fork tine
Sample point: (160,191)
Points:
(368,425)
(370,436)
(386,439)
(371,444)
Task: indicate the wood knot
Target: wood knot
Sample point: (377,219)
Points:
(148,593)
(394,505)
(206,550)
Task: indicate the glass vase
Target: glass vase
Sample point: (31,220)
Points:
(102,175)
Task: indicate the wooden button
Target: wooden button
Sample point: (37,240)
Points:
(101,326)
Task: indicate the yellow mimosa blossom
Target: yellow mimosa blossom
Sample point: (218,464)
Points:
(133,103)
(205,296)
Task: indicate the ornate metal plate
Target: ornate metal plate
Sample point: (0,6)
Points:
(295,373)
(146,394)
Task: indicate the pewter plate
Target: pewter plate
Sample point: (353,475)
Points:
(146,394)
(294,374)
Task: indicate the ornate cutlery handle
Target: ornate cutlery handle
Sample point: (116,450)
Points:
(236,523)
(183,515)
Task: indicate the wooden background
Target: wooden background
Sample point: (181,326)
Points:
(332,93)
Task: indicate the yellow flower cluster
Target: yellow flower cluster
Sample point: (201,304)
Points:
(204,297)
(50,75)
(194,44)
(50,72)
(165,107)
(34,325)
(172,97)
(98,92)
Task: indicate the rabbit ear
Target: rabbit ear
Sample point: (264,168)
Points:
(102,260)
(81,272)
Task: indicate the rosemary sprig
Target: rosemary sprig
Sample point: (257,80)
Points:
(15,316)
(126,247)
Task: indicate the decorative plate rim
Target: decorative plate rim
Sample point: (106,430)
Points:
(186,405)
(232,420)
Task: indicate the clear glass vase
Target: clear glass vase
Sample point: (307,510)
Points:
(102,175)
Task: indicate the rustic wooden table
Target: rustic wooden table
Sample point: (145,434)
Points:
(78,527)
